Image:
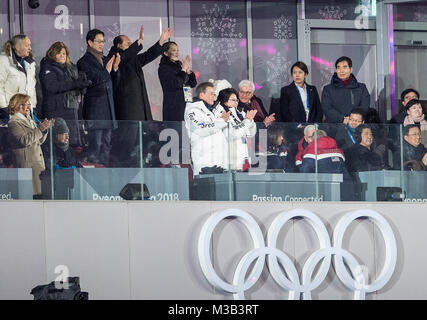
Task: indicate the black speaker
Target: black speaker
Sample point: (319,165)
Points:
(33,4)
(390,194)
(132,191)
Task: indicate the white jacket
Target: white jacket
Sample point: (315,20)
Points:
(13,81)
(207,139)
(237,133)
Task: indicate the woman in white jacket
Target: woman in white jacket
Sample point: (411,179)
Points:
(17,71)
(241,125)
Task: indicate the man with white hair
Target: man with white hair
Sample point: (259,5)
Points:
(248,101)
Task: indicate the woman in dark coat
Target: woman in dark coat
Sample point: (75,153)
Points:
(62,87)
(175,77)
(299,101)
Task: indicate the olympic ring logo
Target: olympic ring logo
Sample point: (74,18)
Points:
(351,277)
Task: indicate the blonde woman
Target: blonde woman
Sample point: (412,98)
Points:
(62,87)
(25,138)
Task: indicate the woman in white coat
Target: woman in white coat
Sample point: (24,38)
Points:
(17,71)
(241,126)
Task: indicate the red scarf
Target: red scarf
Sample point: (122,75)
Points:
(346,82)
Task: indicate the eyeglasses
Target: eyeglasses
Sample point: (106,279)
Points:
(27,105)
(99,41)
(245,93)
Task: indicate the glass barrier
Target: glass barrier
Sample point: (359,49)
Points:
(155,160)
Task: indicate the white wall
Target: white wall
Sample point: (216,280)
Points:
(148,250)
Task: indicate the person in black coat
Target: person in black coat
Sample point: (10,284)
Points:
(98,105)
(63,88)
(130,92)
(299,101)
(361,156)
(344,93)
(413,149)
(406,96)
(175,77)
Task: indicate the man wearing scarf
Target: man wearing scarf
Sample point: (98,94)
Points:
(98,105)
(344,93)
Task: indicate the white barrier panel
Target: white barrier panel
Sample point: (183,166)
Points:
(150,250)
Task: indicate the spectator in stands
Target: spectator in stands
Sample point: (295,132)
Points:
(176,79)
(131,96)
(345,135)
(413,149)
(344,93)
(324,150)
(277,154)
(17,72)
(98,105)
(304,142)
(406,96)
(63,155)
(248,101)
(415,115)
(299,101)
(62,87)
(208,141)
(241,126)
(25,138)
(361,156)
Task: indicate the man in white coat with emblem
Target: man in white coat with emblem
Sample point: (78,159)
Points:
(209,151)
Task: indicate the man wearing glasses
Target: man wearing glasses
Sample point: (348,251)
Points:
(98,105)
(414,152)
(248,101)
(346,135)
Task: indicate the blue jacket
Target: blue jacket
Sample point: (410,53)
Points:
(338,100)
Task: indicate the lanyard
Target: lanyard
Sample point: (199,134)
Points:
(302,99)
(350,135)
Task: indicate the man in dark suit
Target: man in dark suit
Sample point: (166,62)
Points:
(344,93)
(98,105)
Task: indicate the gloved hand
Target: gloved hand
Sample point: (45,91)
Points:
(82,84)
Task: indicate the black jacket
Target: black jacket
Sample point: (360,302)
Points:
(360,158)
(412,153)
(338,100)
(98,102)
(130,91)
(292,107)
(173,79)
(61,89)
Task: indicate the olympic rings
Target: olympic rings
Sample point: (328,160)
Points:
(290,281)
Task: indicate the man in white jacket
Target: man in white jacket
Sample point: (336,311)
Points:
(17,71)
(208,141)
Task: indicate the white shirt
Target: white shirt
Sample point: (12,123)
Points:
(304,98)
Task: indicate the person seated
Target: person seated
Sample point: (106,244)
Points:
(345,136)
(362,157)
(277,154)
(63,155)
(415,115)
(413,149)
(406,96)
(209,147)
(241,126)
(324,150)
(303,143)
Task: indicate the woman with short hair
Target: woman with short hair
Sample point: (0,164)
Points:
(63,88)
(25,138)
(299,101)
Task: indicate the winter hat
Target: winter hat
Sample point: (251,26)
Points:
(220,85)
(60,127)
